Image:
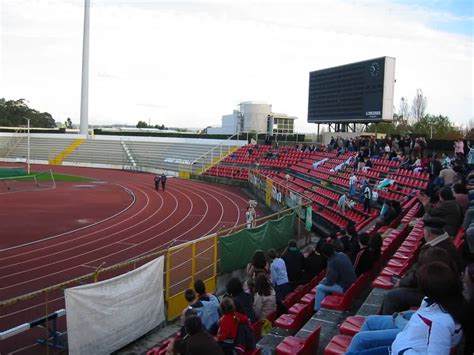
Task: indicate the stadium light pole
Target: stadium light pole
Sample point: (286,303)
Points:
(28,162)
(84,125)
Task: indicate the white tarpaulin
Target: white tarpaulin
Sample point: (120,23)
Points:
(107,315)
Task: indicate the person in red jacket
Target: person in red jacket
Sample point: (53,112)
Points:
(228,324)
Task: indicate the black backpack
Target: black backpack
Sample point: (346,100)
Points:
(245,339)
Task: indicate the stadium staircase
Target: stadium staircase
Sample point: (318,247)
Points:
(131,163)
(58,159)
(213,157)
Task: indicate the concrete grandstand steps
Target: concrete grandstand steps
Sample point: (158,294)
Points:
(167,156)
(98,151)
(41,148)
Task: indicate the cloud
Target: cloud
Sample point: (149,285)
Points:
(188,63)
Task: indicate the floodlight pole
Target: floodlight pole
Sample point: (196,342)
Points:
(84,125)
(28,145)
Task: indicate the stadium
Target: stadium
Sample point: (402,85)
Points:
(243,239)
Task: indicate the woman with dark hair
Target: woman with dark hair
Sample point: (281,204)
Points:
(258,265)
(265,297)
(242,300)
(437,326)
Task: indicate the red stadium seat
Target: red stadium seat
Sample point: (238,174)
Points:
(343,301)
(293,322)
(384,282)
(338,345)
(300,346)
(351,325)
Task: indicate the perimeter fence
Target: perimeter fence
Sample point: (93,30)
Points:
(204,258)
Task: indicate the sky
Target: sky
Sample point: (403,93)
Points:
(187,63)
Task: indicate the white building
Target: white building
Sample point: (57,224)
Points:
(256,117)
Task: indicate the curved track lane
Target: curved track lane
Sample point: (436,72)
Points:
(185,211)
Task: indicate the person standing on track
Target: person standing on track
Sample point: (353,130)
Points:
(248,218)
(157,182)
(163,181)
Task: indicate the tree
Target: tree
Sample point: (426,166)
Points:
(68,123)
(142,124)
(436,127)
(419,105)
(14,113)
(404,111)
(383,127)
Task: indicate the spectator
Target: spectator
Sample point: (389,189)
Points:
(375,245)
(242,300)
(294,261)
(187,312)
(434,167)
(436,326)
(336,242)
(406,293)
(198,340)
(387,213)
(447,210)
(345,239)
(340,275)
(367,192)
(460,195)
(447,175)
(279,276)
(265,298)
(207,307)
(469,296)
(190,297)
(229,324)
(313,263)
(352,230)
(341,203)
(364,259)
(258,265)
(459,147)
(396,206)
(435,236)
(352,184)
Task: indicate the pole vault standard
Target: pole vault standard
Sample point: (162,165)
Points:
(84,127)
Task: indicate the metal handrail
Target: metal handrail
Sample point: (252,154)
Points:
(220,144)
(211,152)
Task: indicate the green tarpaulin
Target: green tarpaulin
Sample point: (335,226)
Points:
(10,172)
(236,250)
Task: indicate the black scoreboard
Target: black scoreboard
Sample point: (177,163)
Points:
(356,92)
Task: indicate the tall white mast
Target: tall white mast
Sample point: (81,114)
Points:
(84,127)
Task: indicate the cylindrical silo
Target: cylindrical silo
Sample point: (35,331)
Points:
(255,115)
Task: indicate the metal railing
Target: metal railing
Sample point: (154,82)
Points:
(13,142)
(214,155)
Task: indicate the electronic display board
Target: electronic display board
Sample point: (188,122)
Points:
(356,92)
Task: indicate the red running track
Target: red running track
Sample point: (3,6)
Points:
(124,225)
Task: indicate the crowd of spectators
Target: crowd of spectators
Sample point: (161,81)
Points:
(430,307)
(427,310)
(270,277)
